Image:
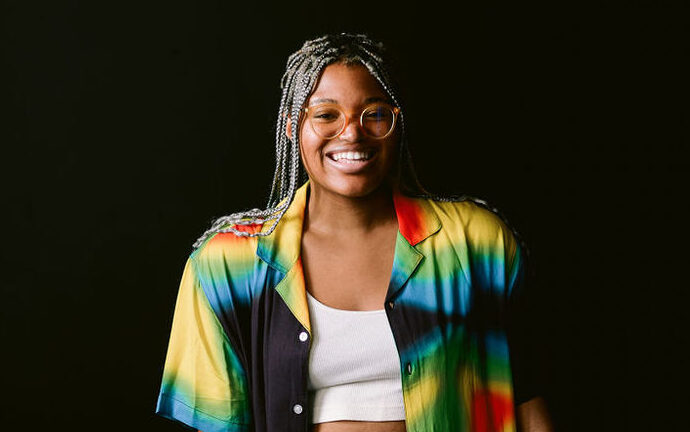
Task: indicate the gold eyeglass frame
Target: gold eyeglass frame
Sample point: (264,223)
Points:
(348,119)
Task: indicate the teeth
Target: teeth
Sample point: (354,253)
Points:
(351,156)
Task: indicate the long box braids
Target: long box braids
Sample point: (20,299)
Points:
(302,71)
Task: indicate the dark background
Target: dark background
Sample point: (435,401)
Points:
(131,125)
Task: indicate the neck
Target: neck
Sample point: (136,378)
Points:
(334,214)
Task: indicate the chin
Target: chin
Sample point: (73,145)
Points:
(356,189)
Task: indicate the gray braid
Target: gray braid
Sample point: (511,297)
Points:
(302,71)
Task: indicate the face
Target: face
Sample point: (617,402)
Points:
(352,88)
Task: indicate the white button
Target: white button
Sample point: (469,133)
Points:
(297,409)
(303,337)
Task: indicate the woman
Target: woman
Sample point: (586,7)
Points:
(355,302)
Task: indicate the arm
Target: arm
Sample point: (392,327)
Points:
(532,413)
(533,416)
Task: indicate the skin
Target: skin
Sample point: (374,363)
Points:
(533,416)
(350,226)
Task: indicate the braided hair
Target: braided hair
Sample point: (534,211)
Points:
(302,71)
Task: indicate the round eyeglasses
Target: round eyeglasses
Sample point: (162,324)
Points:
(329,120)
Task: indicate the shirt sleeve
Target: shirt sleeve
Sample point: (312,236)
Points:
(520,337)
(204,385)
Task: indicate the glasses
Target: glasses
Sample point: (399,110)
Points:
(329,120)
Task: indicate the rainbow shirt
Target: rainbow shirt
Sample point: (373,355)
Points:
(240,339)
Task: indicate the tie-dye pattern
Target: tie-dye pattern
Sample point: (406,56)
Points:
(234,361)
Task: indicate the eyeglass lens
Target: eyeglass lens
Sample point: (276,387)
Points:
(328,121)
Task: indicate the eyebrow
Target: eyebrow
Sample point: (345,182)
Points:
(333,101)
(322,100)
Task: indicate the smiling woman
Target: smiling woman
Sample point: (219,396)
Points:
(356,301)
(348,155)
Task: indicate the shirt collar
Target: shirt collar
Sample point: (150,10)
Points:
(417,220)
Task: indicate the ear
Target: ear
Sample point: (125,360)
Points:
(288,128)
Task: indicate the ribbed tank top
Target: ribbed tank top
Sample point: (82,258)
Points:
(354,367)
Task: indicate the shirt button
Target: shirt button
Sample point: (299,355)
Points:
(297,409)
(409,368)
(390,305)
(303,337)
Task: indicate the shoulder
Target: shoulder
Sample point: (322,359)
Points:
(470,213)
(228,247)
(478,222)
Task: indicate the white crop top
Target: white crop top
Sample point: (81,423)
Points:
(354,367)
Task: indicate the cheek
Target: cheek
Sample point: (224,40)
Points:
(310,150)
(393,147)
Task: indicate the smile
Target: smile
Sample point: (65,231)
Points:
(352,162)
(351,156)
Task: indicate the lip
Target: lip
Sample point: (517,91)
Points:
(351,167)
(350,149)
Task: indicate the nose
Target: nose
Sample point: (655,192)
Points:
(352,131)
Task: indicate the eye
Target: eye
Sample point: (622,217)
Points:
(325,115)
(377,114)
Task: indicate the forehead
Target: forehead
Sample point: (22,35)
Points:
(347,84)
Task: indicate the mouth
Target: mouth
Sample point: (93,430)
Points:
(351,162)
(350,156)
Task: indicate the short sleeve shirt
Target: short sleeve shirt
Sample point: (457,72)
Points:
(238,354)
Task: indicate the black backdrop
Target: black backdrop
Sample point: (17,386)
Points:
(132,125)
